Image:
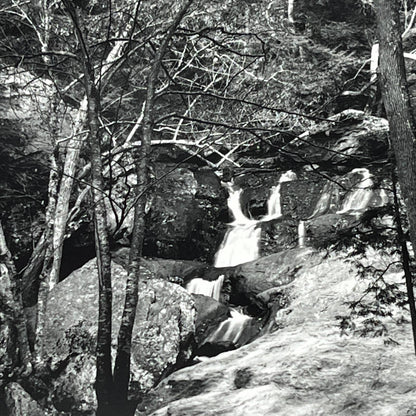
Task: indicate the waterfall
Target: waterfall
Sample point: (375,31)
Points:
(301,234)
(234,204)
(274,205)
(231,329)
(324,202)
(205,287)
(359,198)
(240,245)
(242,239)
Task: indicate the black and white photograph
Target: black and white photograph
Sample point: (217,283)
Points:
(207,208)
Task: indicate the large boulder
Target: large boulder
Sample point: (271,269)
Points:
(163,334)
(184,212)
(269,272)
(184,219)
(348,139)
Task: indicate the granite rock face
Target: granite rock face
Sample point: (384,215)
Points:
(306,367)
(163,334)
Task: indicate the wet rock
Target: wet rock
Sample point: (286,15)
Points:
(209,314)
(19,402)
(183,215)
(306,367)
(278,235)
(184,221)
(325,230)
(175,271)
(353,139)
(162,334)
(269,272)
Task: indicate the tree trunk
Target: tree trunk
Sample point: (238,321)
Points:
(395,95)
(122,363)
(13,297)
(104,380)
(47,261)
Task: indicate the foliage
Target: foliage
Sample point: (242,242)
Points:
(380,300)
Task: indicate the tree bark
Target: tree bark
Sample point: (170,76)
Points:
(104,380)
(13,296)
(122,363)
(47,262)
(395,95)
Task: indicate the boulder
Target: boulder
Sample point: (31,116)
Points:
(162,335)
(184,219)
(175,271)
(20,403)
(183,215)
(269,272)
(209,314)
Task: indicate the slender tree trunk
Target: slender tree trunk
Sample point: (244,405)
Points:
(405,259)
(104,380)
(47,261)
(122,363)
(13,296)
(65,189)
(395,95)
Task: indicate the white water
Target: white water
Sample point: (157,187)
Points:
(205,287)
(231,329)
(234,203)
(274,205)
(324,202)
(358,199)
(242,239)
(301,234)
(240,245)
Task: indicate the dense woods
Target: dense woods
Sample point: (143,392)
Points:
(125,123)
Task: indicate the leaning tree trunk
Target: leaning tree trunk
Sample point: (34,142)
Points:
(399,113)
(122,363)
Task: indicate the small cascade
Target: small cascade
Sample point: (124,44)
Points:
(274,206)
(205,287)
(358,199)
(301,234)
(240,245)
(234,204)
(242,239)
(324,203)
(231,329)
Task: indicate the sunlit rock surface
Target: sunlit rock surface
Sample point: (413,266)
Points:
(306,367)
(19,402)
(162,334)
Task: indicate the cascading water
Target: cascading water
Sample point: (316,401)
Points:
(240,245)
(274,205)
(205,287)
(231,330)
(358,199)
(241,241)
(324,203)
